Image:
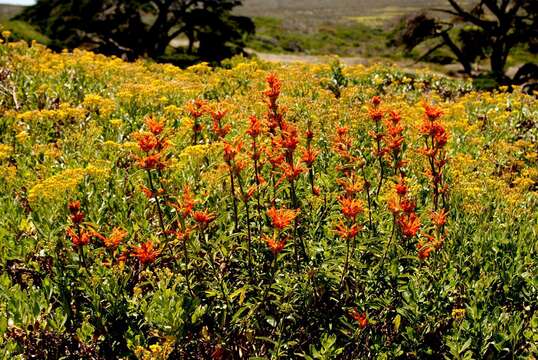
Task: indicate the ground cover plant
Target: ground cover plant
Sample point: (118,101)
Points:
(262,211)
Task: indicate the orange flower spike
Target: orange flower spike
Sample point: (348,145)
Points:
(197,108)
(309,156)
(183,235)
(83,239)
(145,253)
(114,240)
(361,318)
(147,142)
(255,127)
(439,218)
(218,129)
(274,87)
(375,114)
(424,250)
(401,188)
(376,100)
(346,232)
(74,206)
(350,186)
(395,117)
(203,218)
(147,192)
(154,126)
(292,172)
(432,112)
(350,207)
(187,202)
(342,130)
(290,138)
(151,162)
(409,225)
(281,218)
(276,246)
(76,216)
(231,150)
(408,206)
(394,206)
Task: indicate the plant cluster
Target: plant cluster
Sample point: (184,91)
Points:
(252,212)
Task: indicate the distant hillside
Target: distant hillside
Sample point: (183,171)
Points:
(330,9)
(8,11)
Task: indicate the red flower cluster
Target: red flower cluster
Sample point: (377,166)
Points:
(274,244)
(403,209)
(196,108)
(281,218)
(145,253)
(361,318)
(76,216)
(435,139)
(151,143)
(219,129)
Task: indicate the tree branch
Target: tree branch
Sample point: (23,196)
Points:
(459,11)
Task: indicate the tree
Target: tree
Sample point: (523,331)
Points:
(489,29)
(142,27)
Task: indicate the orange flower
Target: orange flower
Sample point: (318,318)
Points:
(183,235)
(424,250)
(290,138)
(275,157)
(115,238)
(187,202)
(350,186)
(218,129)
(342,130)
(255,127)
(291,172)
(76,216)
(394,205)
(231,150)
(432,112)
(147,192)
(408,206)
(439,218)
(401,188)
(151,162)
(74,206)
(154,126)
(375,114)
(395,117)
(281,218)
(147,142)
(274,245)
(309,156)
(197,108)
(274,87)
(409,225)
(346,232)
(376,100)
(145,253)
(83,239)
(350,207)
(361,318)
(203,218)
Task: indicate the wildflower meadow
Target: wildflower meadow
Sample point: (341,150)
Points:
(262,211)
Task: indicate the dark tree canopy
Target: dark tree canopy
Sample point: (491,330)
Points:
(142,27)
(489,29)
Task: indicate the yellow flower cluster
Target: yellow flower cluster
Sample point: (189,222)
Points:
(59,186)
